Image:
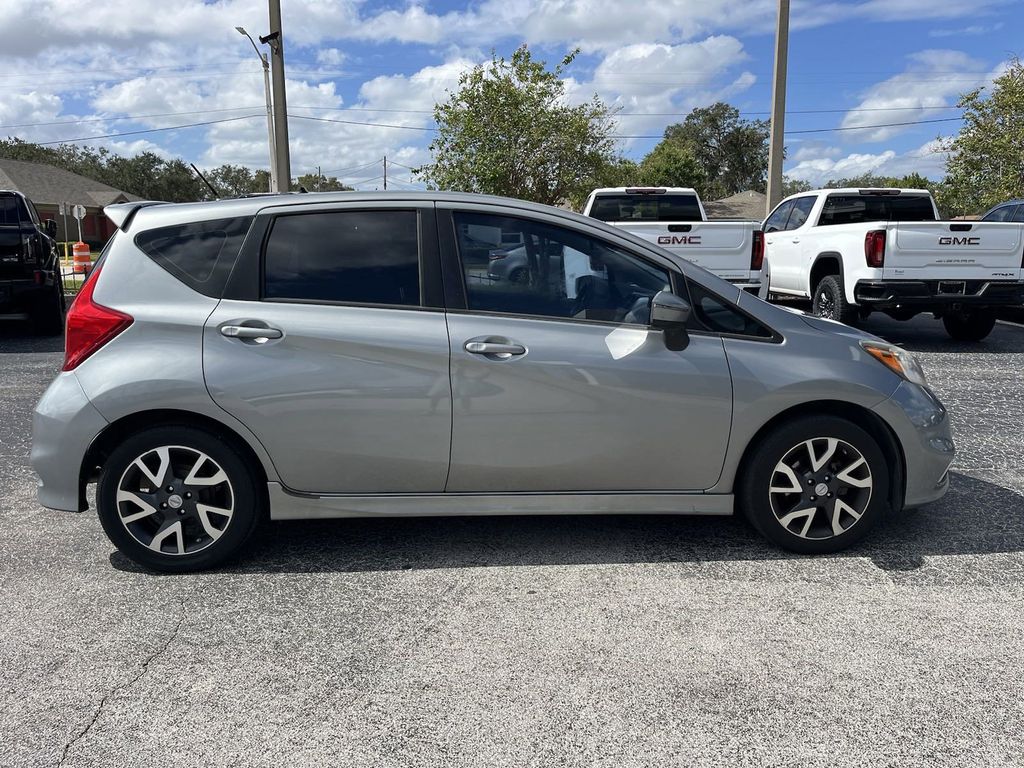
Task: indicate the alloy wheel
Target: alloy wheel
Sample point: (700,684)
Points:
(821,488)
(175,500)
(826,306)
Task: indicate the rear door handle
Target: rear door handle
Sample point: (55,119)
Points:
(796,239)
(499,349)
(250,332)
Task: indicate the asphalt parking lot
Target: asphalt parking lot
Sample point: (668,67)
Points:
(619,641)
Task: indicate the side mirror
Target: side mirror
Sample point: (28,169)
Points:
(670,313)
(50,228)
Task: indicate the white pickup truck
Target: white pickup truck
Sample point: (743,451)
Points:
(855,251)
(673,217)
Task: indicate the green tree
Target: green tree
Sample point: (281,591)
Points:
(866,180)
(508,131)
(794,186)
(671,164)
(733,152)
(985,164)
(313,182)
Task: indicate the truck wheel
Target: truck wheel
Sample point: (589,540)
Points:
(830,301)
(970,324)
(48,315)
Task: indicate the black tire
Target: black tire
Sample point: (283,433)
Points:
(241,488)
(775,514)
(829,301)
(48,314)
(970,324)
(519,276)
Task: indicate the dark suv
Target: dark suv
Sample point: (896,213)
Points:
(30,282)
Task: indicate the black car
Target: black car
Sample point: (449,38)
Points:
(30,281)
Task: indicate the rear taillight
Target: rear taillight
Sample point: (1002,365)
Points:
(757,251)
(874,248)
(90,325)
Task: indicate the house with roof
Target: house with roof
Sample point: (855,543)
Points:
(748,205)
(48,186)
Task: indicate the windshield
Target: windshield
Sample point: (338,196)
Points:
(853,209)
(627,207)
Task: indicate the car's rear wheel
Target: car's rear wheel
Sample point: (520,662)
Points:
(178,499)
(815,485)
(970,324)
(830,303)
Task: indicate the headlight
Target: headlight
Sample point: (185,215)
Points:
(897,360)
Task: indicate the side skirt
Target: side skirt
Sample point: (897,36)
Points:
(288,505)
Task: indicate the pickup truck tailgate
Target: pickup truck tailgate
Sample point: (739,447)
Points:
(722,247)
(941,250)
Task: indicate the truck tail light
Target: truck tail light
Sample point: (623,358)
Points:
(874,248)
(757,251)
(90,325)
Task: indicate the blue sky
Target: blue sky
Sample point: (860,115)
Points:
(74,69)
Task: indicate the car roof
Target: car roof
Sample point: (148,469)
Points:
(151,213)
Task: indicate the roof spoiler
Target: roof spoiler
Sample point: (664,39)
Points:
(123,213)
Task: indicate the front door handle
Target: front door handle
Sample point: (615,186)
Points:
(250,332)
(499,349)
(796,239)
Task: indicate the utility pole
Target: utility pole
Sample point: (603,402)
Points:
(276,40)
(385,173)
(776,146)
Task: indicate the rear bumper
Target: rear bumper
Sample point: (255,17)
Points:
(927,294)
(64,425)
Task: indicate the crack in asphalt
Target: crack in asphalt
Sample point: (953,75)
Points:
(124,686)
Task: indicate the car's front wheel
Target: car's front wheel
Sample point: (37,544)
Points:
(815,485)
(178,499)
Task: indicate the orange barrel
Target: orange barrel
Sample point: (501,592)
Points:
(82,258)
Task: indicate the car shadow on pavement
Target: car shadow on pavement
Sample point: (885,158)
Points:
(975,517)
(16,337)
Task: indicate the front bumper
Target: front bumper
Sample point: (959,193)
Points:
(939,294)
(921,425)
(64,425)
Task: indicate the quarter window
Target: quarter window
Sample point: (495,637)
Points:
(553,272)
(352,257)
(200,253)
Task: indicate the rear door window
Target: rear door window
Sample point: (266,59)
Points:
(651,207)
(200,253)
(349,257)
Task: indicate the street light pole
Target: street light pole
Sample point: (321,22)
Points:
(776,147)
(270,109)
(276,40)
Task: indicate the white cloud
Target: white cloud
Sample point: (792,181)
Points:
(972,30)
(932,80)
(928,160)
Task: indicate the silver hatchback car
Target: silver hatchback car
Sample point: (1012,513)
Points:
(347,355)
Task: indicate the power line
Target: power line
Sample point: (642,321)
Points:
(348,170)
(149,130)
(880,125)
(357,122)
(130,117)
